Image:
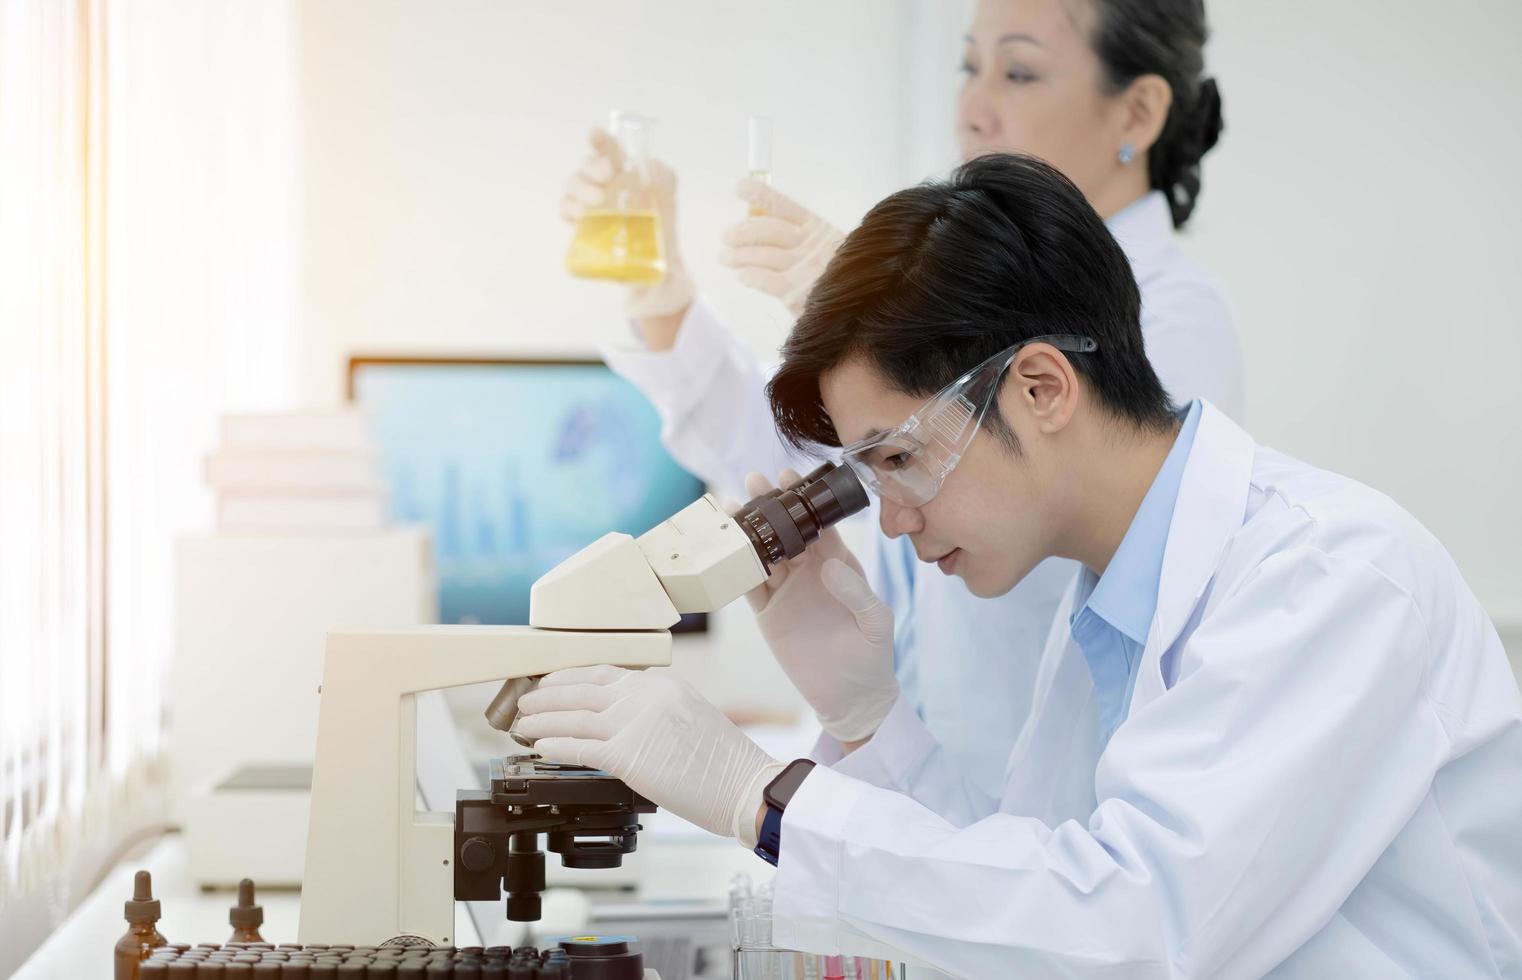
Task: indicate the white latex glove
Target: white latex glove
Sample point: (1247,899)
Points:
(829,631)
(782,251)
(588,188)
(653,731)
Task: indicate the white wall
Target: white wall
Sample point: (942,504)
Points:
(438,136)
(1361,207)
(1364,210)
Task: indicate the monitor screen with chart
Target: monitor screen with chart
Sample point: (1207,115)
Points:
(515,465)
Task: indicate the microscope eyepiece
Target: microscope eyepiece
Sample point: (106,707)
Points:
(781,523)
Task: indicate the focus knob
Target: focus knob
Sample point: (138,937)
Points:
(476,854)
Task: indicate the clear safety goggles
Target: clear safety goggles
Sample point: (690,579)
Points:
(908,464)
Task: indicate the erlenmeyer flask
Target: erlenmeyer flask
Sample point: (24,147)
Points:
(621,240)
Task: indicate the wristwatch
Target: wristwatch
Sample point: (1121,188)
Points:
(778,793)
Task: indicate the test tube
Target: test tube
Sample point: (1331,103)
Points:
(739,889)
(758,157)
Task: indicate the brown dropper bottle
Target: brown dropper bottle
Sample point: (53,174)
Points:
(246,917)
(142,933)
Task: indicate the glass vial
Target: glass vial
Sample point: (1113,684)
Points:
(758,154)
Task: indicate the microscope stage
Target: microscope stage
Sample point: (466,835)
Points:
(526,780)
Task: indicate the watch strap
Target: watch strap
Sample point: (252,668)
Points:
(769,845)
(775,796)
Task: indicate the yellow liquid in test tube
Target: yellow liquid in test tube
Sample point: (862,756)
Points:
(758,154)
(765,177)
(624,246)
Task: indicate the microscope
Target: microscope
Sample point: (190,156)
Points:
(379,871)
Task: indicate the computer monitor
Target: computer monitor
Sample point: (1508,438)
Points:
(515,465)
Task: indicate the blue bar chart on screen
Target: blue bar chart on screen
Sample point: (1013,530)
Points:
(515,465)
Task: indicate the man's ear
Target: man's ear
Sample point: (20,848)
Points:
(1047,387)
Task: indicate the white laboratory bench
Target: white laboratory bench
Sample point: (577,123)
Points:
(82,946)
(687,859)
(677,869)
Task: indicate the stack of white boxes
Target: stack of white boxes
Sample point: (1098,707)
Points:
(297,471)
(302,547)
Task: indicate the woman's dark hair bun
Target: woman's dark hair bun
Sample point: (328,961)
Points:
(1166,38)
(1208,115)
(1190,132)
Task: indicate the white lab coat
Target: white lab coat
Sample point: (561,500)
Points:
(1319,774)
(716,421)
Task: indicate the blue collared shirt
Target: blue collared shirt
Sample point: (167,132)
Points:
(1114,611)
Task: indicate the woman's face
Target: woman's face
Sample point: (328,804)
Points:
(1033,84)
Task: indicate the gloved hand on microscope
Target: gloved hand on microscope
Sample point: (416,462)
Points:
(832,636)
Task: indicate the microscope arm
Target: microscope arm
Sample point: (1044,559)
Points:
(375,866)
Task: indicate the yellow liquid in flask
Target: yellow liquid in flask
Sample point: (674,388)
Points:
(624,246)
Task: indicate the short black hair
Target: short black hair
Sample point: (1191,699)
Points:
(940,277)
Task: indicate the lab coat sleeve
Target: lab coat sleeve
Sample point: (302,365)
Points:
(1193,347)
(1239,808)
(710,393)
(902,756)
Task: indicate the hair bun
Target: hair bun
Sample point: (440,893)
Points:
(1207,115)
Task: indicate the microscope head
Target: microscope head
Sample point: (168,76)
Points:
(699,560)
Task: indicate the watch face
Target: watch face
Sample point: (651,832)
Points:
(781,790)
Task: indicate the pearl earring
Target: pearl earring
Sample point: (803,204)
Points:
(1127,154)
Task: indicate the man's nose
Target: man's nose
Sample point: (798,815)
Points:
(896,519)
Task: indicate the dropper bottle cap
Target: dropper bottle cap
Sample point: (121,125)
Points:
(143,907)
(246,915)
